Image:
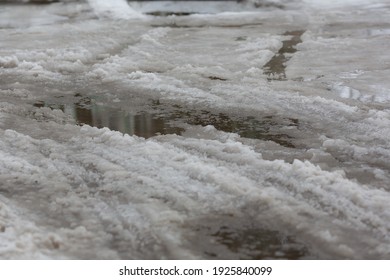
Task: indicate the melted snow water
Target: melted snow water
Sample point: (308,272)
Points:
(252,243)
(146,124)
(142,124)
(166,14)
(276,67)
(230,239)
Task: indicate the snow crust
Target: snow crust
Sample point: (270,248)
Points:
(320,174)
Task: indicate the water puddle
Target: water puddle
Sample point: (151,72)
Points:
(248,127)
(144,124)
(43,2)
(167,14)
(257,244)
(237,239)
(265,4)
(174,24)
(87,112)
(216,78)
(275,68)
(31,2)
(241,38)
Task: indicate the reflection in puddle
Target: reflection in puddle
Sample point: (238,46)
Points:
(144,124)
(275,68)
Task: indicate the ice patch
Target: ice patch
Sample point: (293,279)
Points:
(379,94)
(347,92)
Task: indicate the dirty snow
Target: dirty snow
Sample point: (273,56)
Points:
(137,132)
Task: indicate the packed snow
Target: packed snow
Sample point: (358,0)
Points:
(195,130)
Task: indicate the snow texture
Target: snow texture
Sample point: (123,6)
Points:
(137,132)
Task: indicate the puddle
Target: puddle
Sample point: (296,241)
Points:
(144,124)
(247,127)
(216,78)
(237,239)
(31,2)
(167,14)
(265,4)
(241,38)
(209,25)
(44,2)
(275,68)
(257,244)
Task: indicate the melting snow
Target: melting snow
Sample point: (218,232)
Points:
(256,131)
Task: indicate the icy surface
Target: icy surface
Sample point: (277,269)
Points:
(253,130)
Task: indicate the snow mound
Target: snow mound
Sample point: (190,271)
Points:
(116,9)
